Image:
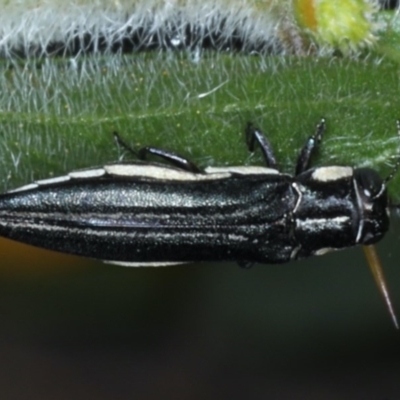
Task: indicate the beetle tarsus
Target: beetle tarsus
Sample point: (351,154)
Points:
(121,143)
(309,149)
(172,158)
(254,135)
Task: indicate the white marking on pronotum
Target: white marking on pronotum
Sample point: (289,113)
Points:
(360,207)
(160,173)
(87,173)
(334,173)
(246,170)
(295,186)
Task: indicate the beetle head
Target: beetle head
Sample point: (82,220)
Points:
(373,207)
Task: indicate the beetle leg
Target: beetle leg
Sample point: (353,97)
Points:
(303,161)
(256,135)
(172,158)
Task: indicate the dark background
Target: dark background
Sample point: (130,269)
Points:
(316,329)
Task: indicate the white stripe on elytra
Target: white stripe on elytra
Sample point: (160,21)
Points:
(50,181)
(313,224)
(159,173)
(170,174)
(156,172)
(139,264)
(243,170)
(87,173)
(30,186)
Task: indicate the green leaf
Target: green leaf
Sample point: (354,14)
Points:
(59,114)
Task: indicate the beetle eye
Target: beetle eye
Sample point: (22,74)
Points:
(370,183)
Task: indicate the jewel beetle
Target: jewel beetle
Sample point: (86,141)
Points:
(155,214)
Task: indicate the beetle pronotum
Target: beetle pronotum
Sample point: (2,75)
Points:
(151,214)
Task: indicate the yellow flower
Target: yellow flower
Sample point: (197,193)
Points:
(346,25)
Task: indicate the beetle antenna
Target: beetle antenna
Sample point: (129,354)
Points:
(397,164)
(377,272)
